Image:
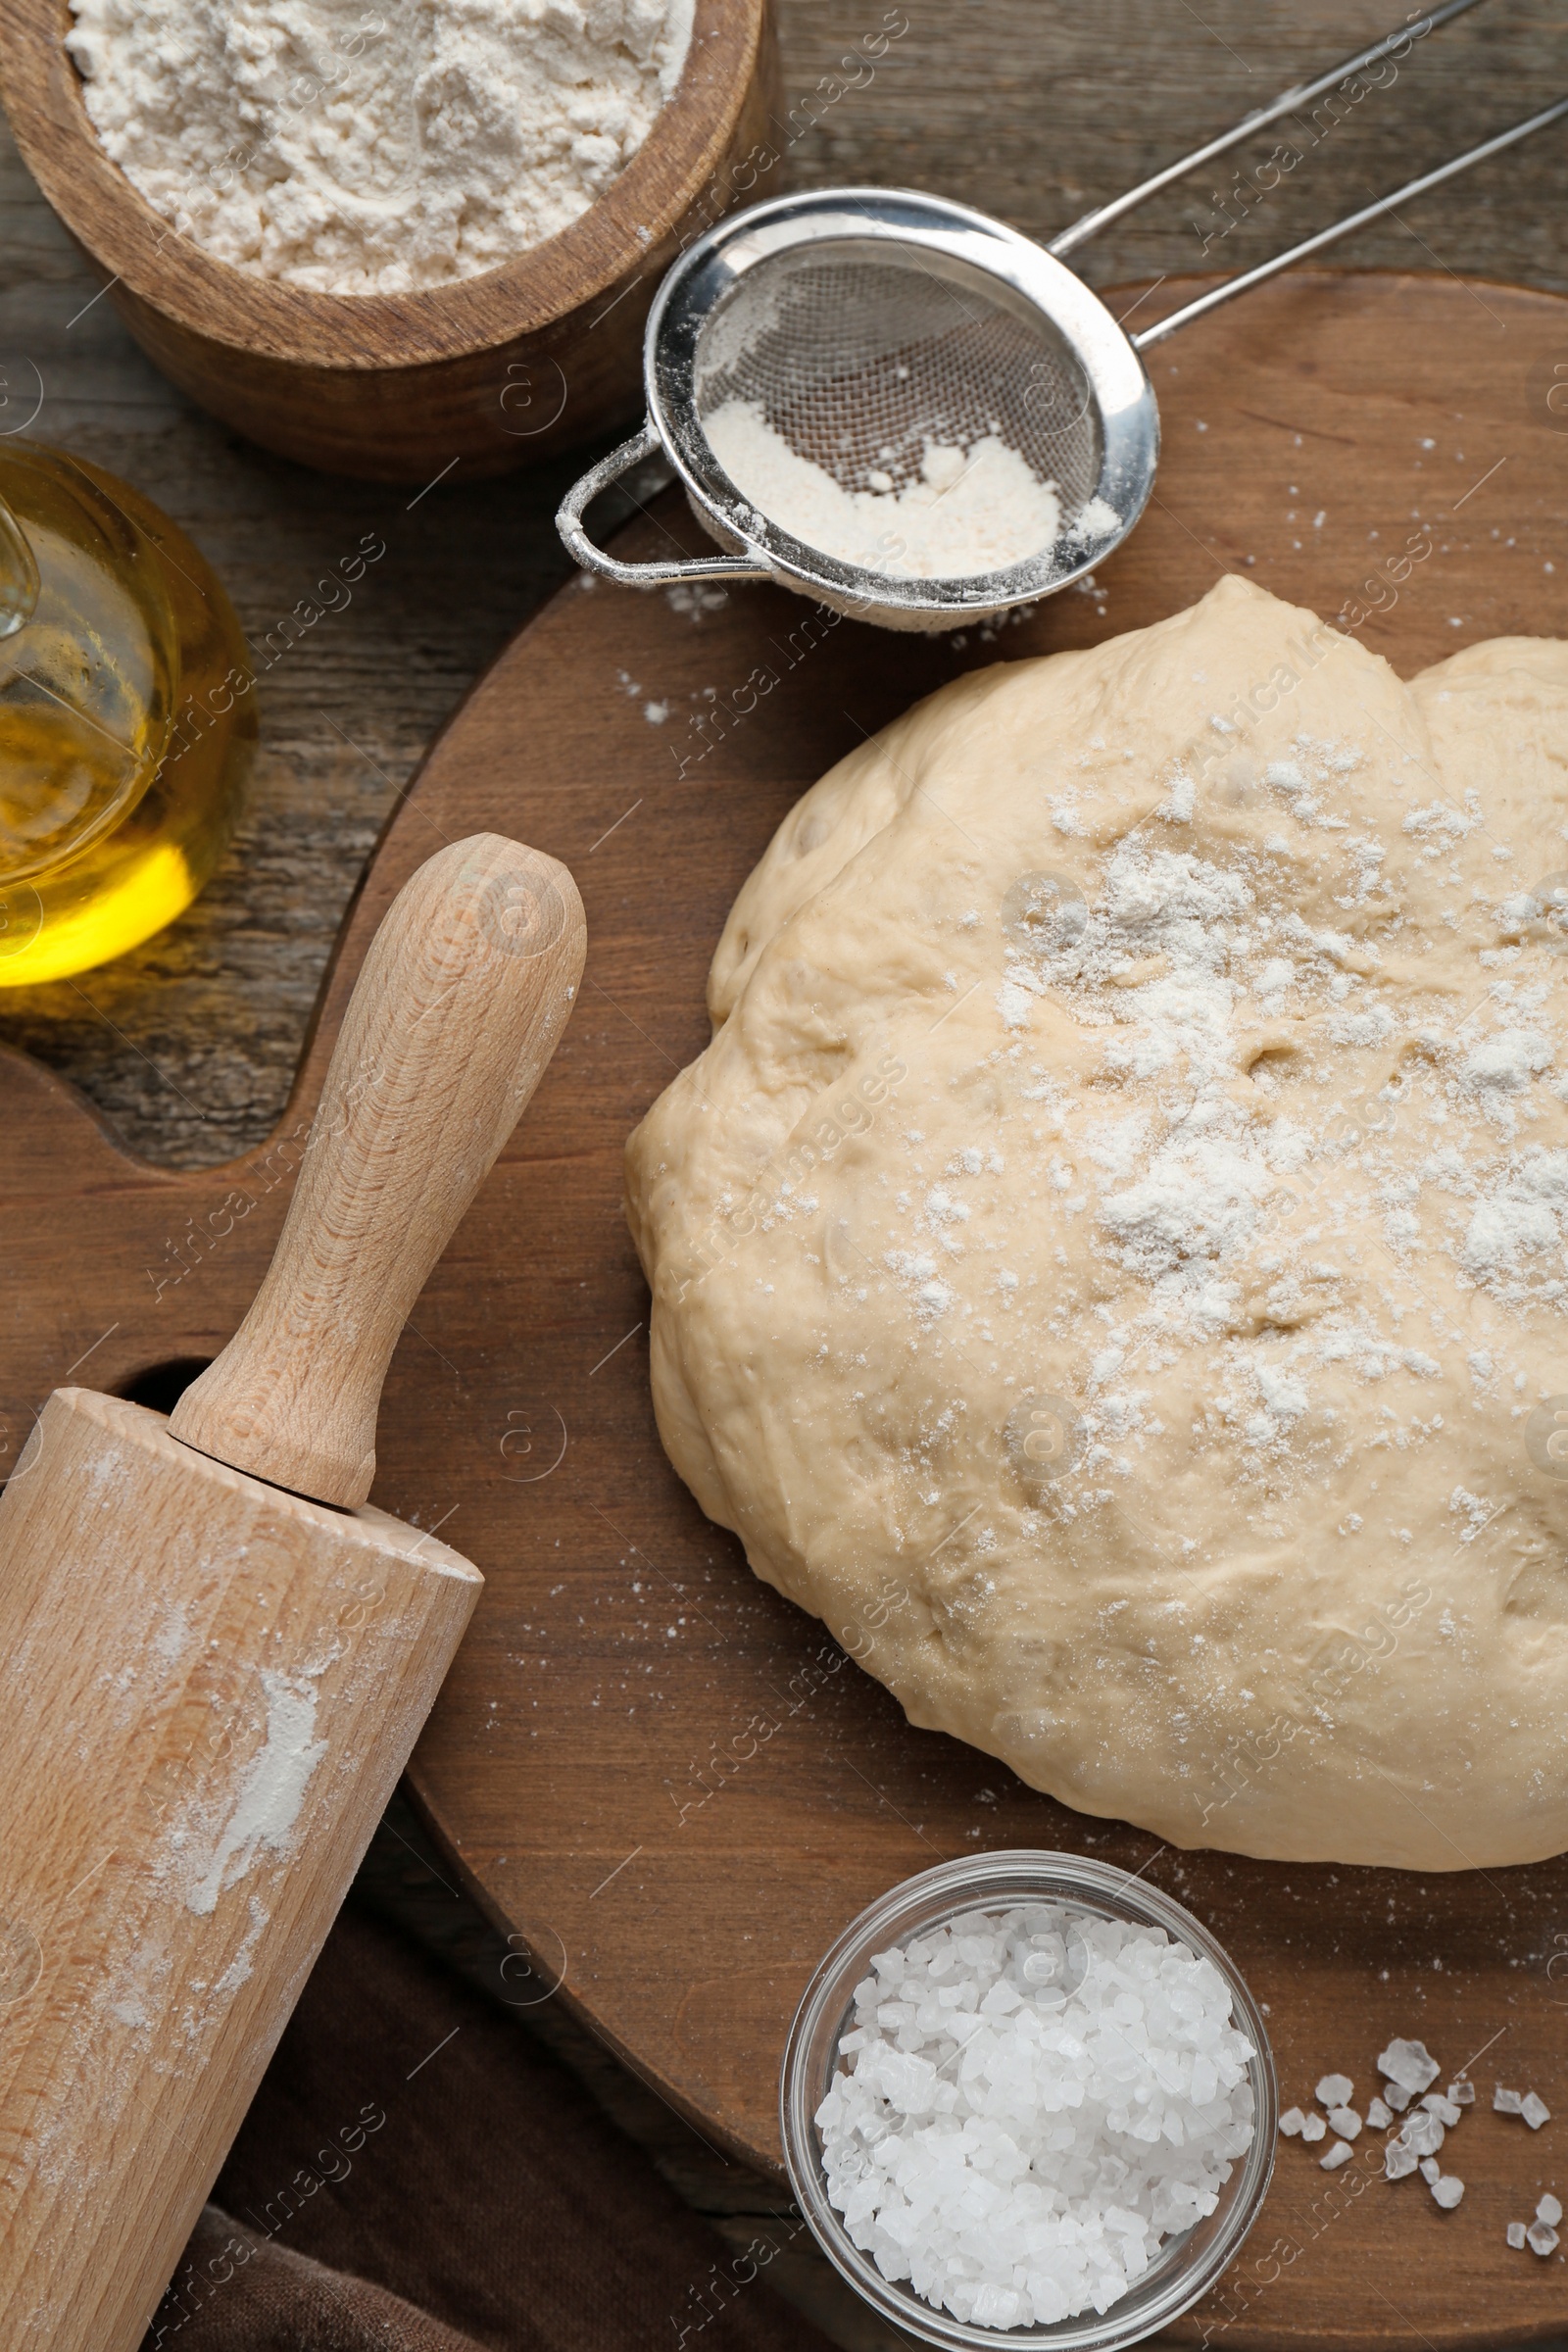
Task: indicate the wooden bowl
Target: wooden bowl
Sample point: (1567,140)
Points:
(490,372)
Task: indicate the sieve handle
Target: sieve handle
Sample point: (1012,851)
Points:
(574,535)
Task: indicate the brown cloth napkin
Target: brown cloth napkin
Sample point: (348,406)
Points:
(418,2175)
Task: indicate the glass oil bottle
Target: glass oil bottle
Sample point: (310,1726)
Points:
(126,716)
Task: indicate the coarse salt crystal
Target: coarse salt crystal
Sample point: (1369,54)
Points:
(1535,2111)
(1431,2171)
(1422,2132)
(1506,2102)
(1379,2115)
(1398,2160)
(1333,2090)
(1447,2111)
(1446,2191)
(1291,2122)
(1345,2120)
(1410,2064)
(995,2306)
(1397,2096)
(1549,2211)
(1339,2153)
(1463,2093)
(1516,2235)
(1313,2126)
(1540,2240)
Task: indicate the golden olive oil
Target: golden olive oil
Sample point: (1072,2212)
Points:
(126,716)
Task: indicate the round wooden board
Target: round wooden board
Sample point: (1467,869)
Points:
(671,1784)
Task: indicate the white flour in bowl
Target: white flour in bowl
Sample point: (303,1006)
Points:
(372,151)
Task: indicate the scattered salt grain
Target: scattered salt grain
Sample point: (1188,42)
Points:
(1540,2240)
(1410,2064)
(1335,2091)
(1019,2151)
(1549,2211)
(1397,2096)
(1506,2102)
(1516,2235)
(1447,2111)
(1446,2191)
(1379,2115)
(1339,2153)
(1431,2171)
(1422,2132)
(1463,2093)
(1345,2120)
(1535,2111)
(1398,2160)
(1291,2122)
(1313,2126)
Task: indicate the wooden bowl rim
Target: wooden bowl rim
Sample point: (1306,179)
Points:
(42,96)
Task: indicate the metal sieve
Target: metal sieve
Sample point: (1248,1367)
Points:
(868,326)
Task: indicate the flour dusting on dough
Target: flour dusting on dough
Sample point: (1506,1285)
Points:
(1111,1261)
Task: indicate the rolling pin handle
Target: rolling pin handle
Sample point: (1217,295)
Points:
(465,990)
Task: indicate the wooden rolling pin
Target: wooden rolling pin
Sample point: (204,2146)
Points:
(208,1684)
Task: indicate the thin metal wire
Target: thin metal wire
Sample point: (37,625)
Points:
(1232,286)
(1288,102)
(863,366)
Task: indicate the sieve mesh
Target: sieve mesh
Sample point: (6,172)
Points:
(860,363)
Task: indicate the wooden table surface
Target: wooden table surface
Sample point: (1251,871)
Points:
(1032,109)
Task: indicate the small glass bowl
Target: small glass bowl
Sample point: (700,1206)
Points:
(1185,2267)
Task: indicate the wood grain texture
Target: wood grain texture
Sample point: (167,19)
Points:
(1037,109)
(465,990)
(1032,109)
(675,1786)
(493,370)
(170,1629)
(214,1685)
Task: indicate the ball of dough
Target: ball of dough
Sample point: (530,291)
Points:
(1109,1262)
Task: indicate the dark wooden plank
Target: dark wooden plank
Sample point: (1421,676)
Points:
(1038,108)
(621,1645)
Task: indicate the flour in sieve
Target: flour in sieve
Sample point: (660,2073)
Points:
(372,151)
(970,511)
